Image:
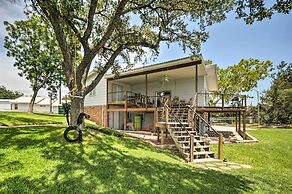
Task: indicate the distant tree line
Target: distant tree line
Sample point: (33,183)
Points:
(276,103)
(8,94)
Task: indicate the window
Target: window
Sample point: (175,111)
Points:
(93,92)
(15,106)
(118,93)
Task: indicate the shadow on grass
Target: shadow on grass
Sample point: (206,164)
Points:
(9,120)
(99,165)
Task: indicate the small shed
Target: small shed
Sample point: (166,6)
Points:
(22,103)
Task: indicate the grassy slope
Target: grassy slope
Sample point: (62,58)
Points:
(24,118)
(37,159)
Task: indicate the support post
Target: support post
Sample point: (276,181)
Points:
(239,121)
(197,79)
(119,119)
(222,100)
(125,120)
(220,147)
(162,134)
(113,121)
(146,90)
(158,133)
(236,122)
(244,126)
(192,139)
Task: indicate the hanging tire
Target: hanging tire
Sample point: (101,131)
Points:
(73,131)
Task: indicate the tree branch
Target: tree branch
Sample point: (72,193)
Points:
(90,17)
(53,15)
(106,67)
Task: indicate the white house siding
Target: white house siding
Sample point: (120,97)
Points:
(5,104)
(23,107)
(183,88)
(98,97)
(45,108)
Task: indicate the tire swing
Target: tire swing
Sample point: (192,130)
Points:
(75,129)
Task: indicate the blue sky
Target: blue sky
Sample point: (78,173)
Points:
(230,41)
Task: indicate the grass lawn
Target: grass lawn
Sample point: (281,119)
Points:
(24,118)
(38,160)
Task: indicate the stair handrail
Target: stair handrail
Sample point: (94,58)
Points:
(176,118)
(200,117)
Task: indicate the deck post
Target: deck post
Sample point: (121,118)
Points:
(146,90)
(107,106)
(119,120)
(236,123)
(222,100)
(162,134)
(125,120)
(239,121)
(192,139)
(125,110)
(113,121)
(244,126)
(197,79)
(220,146)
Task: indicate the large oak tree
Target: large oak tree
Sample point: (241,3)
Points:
(111,31)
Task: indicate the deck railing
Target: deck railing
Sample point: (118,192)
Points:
(201,99)
(214,99)
(133,98)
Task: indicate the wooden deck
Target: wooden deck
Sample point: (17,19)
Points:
(220,109)
(131,109)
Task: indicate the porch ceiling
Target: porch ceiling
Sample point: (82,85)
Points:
(180,73)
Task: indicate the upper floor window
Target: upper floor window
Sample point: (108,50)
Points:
(93,92)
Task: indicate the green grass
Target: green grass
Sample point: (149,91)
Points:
(38,160)
(24,118)
(271,159)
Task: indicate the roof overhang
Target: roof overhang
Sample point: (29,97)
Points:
(163,67)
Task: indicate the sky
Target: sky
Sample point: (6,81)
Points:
(229,41)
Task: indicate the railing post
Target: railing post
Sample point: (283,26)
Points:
(220,146)
(192,139)
(222,98)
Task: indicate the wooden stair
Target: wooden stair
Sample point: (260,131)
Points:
(180,131)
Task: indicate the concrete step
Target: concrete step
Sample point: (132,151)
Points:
(206,160)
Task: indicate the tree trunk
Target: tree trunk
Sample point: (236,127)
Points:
(77,106)
(32,101)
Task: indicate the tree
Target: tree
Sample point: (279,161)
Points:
(37,55)
(111,31)
(244,76)
(241,77)
(8,94)
(276,104)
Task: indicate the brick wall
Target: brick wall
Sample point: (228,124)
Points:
(96,112)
